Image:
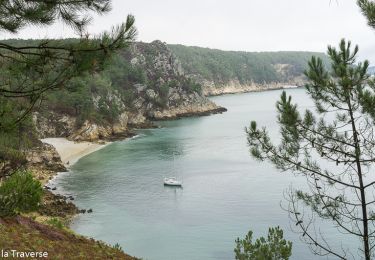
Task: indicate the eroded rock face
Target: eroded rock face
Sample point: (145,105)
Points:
(91,132)
(53,124)
(167,93)
(46,157)
(136,119)
(122,125)
(204,107)
(151,94)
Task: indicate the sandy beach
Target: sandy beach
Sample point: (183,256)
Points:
(70,152)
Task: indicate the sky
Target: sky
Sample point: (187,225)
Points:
(242,25)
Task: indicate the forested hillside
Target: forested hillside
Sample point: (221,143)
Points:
(156,81)
(216,68)
(141,83)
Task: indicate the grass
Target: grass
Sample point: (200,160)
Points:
(24,234)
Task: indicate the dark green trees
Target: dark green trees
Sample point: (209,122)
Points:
(334,148)
(275,247)
(368,9)
(31,68)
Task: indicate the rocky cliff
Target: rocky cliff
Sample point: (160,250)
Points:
(144,83)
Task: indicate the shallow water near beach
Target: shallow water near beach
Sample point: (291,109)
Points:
(225,192)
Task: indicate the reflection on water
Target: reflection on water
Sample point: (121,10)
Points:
(225,192)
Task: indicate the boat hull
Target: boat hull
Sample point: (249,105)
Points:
(173,184)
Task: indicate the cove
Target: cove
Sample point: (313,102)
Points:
(225,191)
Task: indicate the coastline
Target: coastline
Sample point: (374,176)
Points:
(56,203)
(234,89)
(70,152)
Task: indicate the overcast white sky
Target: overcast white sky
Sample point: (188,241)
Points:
(248,25)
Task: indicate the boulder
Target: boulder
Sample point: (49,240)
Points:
(151,94)
(45,155)
(91,132)
(121,125)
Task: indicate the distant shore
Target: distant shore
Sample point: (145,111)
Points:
(70,151)
(235,89)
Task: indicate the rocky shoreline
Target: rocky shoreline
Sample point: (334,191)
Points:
(56,155)
(188,111)
(49,160)
(45,163)
(211,91)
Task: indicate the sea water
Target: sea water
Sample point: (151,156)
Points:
(225,191)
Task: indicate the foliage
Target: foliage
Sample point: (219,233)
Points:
(14,139)
(368,9)
(30,68)
(118,247)
(274,247)
(17,14)
(119,80)
(19,193)
(333,148)
(221,67)
(21,233)
(55,222)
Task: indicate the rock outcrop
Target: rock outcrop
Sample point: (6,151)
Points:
(50,124)
(45,156)
(166,94)
(210,89)
(200,106)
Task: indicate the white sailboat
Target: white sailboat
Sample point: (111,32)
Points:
(172,181)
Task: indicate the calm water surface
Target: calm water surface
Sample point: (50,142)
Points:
(225,193)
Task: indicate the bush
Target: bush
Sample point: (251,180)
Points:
(275,247)
(19,193)
(55,222)
(118,247)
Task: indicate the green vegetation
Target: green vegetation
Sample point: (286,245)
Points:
(118,247)
(30,69)
(339,133)
(274,247)
(55,222)
(368,9)
(19,193)
(24,234)
(100,98)
(246,67)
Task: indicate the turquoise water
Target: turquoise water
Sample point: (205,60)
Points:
(225,192)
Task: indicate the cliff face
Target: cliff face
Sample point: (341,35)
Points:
(155,81)
(144,83)
(170,92)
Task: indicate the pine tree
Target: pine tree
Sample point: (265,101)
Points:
(368,9)
(272,247)
(333,147)
(30,68)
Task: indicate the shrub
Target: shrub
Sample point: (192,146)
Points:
(55,222)
(19,193)
(275,247)
(118,247)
